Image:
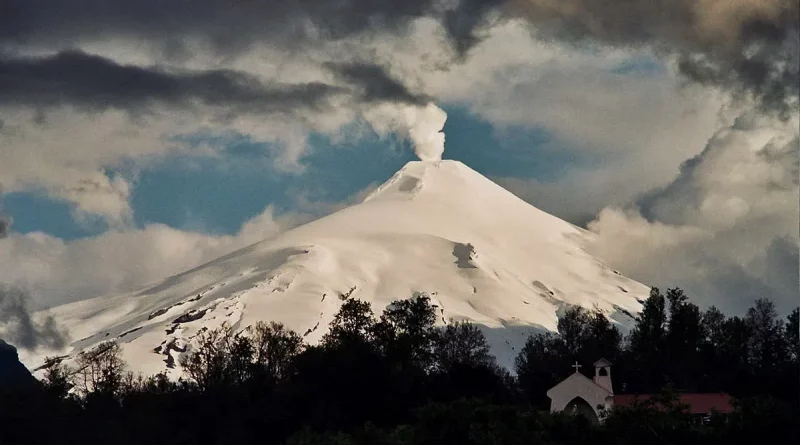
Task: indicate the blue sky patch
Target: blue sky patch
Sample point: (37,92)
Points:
(640,66)
(35,212)
(514,151)
(217,194)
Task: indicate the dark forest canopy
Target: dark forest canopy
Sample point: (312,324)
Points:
(399,379)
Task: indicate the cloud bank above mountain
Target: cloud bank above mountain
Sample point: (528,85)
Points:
(87,87)
(726,227)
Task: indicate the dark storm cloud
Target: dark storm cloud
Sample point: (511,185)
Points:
(733,286)
(95,83)
(749,47)
(464,23)
(19,328)
(375,83)
(5,221)
(5,225)
(229,24)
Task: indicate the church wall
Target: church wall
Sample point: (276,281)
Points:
(579,386)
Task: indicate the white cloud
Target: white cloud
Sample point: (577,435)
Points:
(726,216)
(55,271)
(628,132)
(509,79)
(98,194)
(726,228)
(65,152)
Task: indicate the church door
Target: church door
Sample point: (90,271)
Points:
(581,407)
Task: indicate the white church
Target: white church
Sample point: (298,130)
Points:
(578,394)
(590,397)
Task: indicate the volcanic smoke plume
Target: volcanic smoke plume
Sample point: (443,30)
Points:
(425,131)
(18,326)
(420,125)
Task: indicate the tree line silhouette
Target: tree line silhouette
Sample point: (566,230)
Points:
(399,379)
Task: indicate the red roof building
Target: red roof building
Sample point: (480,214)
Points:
(703,403)
(591,398)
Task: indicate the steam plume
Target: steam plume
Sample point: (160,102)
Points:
(18,326)
(425,131)
(422,126)
(5,224)
(5,221)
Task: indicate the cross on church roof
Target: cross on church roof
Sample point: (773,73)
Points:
(576,366)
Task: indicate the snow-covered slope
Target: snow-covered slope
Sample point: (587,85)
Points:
(438,227)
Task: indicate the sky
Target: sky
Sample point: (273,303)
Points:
(139,139)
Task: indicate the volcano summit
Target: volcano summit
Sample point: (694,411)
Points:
(438,227)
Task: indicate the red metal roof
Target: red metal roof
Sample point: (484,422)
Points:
(698,403)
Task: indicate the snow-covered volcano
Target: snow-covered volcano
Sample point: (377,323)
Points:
(438,227)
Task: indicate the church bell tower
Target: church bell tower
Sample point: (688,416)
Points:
(602,374)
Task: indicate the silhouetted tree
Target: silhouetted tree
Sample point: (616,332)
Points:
(336,382)
(461,343)
(540,365)
(765,341)
(683,340)
(768,350)
(601,339)
(647,344)
(405,332)
(660,419)
(275,348)
(793,335)
(368,384)
(58,379)
(221,358)
(572,329)
(100,370)
(716,363)
(733,353)
(713,329)
(757,418)
(352,323)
